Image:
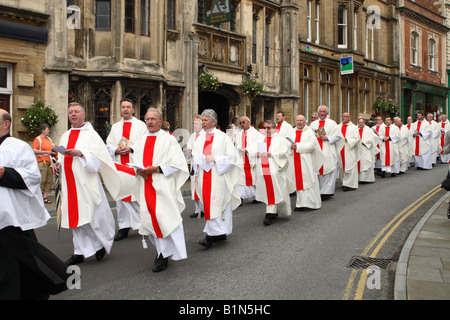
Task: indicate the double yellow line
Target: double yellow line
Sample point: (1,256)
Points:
(377,245)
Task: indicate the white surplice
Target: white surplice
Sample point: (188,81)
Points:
(127,209)
(369,150)
(160,199)
(421,150)
(303,169)
(23,208)
(328,173)
(390,159)
(349,153)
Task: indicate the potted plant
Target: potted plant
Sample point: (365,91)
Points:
(38,114)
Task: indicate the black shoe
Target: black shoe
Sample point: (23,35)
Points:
(160,263)
(100,254)
(298,209)
(393,174)
(195,215)
(268,219)
(207,242)
(122,234)
(75,259)
(242,202)
(324,197)
(255,201)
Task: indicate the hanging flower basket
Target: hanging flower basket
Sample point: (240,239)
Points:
(385,108)
(207,81)
(38,114)
(251,89)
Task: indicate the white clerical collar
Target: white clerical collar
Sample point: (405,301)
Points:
(213,130)
(85,126)
(150,134)
(129,120)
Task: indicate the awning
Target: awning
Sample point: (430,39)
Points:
(20,31)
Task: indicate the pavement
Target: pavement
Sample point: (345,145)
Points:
(423,269)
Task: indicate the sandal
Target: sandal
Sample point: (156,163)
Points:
(47,201)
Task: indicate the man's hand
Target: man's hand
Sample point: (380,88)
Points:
(2,172)
(144,173)
(73,153)
(123,150)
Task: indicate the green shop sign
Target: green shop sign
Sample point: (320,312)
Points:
(217,11)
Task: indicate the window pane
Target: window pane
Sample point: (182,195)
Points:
(103,15)
(129,16)
(3,79)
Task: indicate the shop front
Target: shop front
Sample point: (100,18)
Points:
(419,96)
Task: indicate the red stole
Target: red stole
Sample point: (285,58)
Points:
(378,145)
(442,137)
(206,186)
(419,123)
(124,159)
(387,160)
(360,136)
(266,173)
(149,190)
(72,197)
(247,167)
(278,127)
(344,132)
(298,163)
(195,192)
(321,125)
(408,126)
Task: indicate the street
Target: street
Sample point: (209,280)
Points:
(301,257)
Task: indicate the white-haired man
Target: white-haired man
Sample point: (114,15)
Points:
(247,145)
(216,167)
(327,135)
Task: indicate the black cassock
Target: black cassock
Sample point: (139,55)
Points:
(28,270)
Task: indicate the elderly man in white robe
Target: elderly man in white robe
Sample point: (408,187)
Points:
(390,137)
(247,145)
(435,138)
(404,150)
(162,171)
(28,270)
(120,143)
(189,147)
(409,123)
(84,205)
(272,187)
(379,123)
(215,161)
(327,135)
(422,132)
(369,141)
(349,153)
(444,126)
(304,164)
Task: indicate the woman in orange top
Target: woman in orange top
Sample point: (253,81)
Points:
(42,147)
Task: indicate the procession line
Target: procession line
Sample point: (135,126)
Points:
(400,217)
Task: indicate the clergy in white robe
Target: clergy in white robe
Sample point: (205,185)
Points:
(84,205)
(272,187)
(349,153)
(327,135)
(409,123)
(389,140)
(379,123)
(189,147)
(216,166)
(161,174)
(120,143)
(435,137)
(247,145)
(444,126)
(304,164)
(369,141)
(404,150)
(421,130)
(28,270)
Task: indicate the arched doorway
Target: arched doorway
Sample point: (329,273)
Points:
(217,102)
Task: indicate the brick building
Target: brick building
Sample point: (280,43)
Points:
(423,45)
